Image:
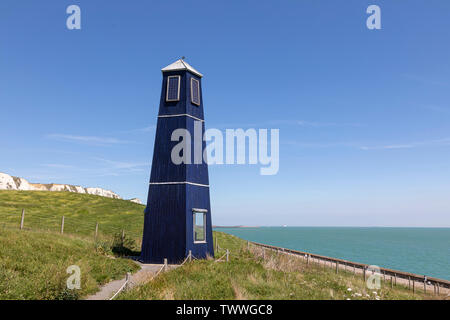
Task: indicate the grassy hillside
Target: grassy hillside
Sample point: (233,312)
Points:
(44,210)
(248,276)
(33,261)
(33,265)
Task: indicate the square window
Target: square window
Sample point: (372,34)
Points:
(199,226)
(173,88)
(195,91)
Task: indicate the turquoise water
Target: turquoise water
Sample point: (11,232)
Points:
(425,251)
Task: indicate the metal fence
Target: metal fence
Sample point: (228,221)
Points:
(67,225)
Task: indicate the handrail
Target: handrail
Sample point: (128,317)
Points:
(127,280)
(220,259)
(119,291)
(159,271)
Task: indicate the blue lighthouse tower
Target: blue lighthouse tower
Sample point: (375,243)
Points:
(178,214)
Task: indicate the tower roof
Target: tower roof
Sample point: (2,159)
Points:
(181,65)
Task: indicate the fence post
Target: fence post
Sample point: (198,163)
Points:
(395,278)
(128,278)
(364,273)
(337,267)
(23,219)
(424,286)
(409,282)
(96,230)
(392,283)
(228,252)
(190,255)
(62,225)
(165,264)
(414,286)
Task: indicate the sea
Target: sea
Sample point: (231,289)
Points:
(424,251)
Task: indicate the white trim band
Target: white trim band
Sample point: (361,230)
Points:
(179,115)
(181,182)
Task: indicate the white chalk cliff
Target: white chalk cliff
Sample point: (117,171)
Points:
(8,182)
(136,200)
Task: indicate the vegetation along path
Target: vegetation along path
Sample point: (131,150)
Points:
(145,274)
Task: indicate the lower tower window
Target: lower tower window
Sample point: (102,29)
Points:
(199,225)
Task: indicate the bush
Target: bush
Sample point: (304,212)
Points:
(124,245)
(103,247)
(68,294)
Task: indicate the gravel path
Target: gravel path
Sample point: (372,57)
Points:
(144,275)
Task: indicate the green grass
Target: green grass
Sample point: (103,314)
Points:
(248,276)
(33,261)
(33,265)
(44,210)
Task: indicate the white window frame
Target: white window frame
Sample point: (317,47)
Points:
(167,89)
(194,212)
(192,96)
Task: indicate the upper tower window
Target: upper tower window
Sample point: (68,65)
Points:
(173,88)
(195,91)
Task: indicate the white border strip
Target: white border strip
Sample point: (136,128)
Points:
(181,182)
(179,115)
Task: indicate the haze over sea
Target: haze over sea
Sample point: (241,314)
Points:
(425,251)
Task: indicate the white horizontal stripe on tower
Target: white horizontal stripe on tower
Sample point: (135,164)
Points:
(181,182)
(179,115)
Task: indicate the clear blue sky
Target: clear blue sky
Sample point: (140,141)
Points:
(364,116)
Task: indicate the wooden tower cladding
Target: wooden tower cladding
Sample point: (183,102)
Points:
(178,213)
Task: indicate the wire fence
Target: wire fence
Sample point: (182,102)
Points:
(73,225)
